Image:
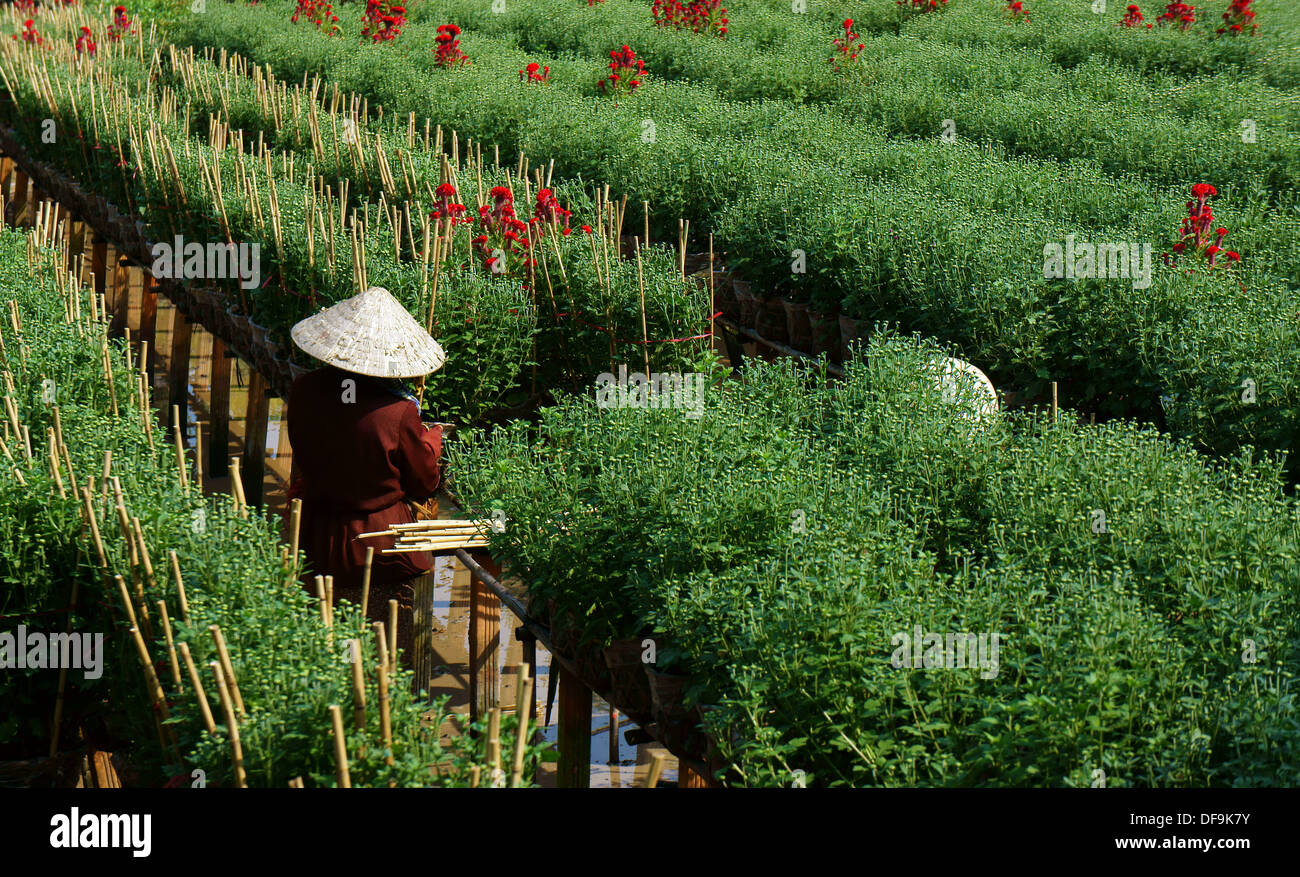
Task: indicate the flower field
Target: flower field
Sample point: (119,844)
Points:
(1094,204)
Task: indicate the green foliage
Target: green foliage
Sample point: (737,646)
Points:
(776,546)
(289,667)
(1069,125)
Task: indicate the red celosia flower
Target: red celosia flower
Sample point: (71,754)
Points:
(1016,10)
(1239,17)
(121,25)
(844,50)
(1132,16)
(319,13)
(447,53)
(623,61)
(1181,13)
(698,16)
(29,34)
(1195,232)
(85,45)
(381,22)
(548,209)
(535,72)
(446,208)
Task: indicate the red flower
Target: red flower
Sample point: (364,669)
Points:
(1198,233)
(535,72)
(624,61)
(1182,13)
(1239,16)
(843,51)
(447,53)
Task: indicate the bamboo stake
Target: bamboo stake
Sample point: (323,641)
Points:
(645,338)
(171,646)
(497,778)
(365,583)
(295,520)
(381,669)
(358,685)
(232,726)
(227,667)
(156,693)
(204,709)
(523,711)
(340,748)
(180,586)
(320,595)
(237,485)
(126,599)
(656,770)
(180,446)
(392,636)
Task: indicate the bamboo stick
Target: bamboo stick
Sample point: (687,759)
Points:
(180,586)
(126,599)
(523,711)
(392,636)
(227,667)
(156,693)
(204,709)
(385,717)
(358,685)
(340,748)
(295,521)
(365,583)
(237,485)
(180,446)
(320,596)
(171,646)
(656,770)
(640,282)
(497,778)
(232,726)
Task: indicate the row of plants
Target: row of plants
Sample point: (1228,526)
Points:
(78,408)
(778,548)
(947,238)
(510,292)
(1152,123)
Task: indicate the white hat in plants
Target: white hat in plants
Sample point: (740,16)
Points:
(976,390)
(370,334)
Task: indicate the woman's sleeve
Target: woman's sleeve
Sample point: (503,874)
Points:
(419,455)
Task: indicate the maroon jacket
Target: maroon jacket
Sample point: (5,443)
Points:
(362,453)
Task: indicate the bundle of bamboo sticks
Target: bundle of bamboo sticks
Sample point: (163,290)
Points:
(443,534)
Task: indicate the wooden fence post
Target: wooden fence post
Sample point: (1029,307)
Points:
(255,415)
(574,768)
(219,410)
(149,319)
(484,642)
(118,295)
(98,261)
(178,375)
(422,625)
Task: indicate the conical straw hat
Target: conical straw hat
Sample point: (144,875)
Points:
(370,334)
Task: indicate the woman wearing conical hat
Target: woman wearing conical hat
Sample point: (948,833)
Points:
(359,444)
